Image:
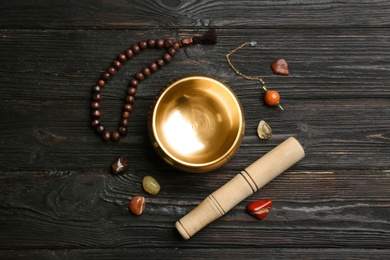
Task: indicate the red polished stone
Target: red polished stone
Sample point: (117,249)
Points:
(137,205)
(280,67)
(260,208)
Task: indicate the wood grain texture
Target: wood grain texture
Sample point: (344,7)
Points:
(76,210)
(196,13)
(195,253)
(58,198)
(57,135)
(66,64)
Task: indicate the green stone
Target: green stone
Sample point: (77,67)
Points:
(151,185)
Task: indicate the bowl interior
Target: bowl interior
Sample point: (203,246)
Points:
(198,121)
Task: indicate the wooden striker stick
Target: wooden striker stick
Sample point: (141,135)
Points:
(241,186)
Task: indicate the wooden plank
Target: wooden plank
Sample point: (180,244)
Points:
(57,135)
(89,208)
(324,64)
(332,208)
(176,14)
(204,253)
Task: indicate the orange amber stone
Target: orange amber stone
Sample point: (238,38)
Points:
(272,98)
(137,205)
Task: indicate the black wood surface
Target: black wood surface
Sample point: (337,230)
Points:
(58,198)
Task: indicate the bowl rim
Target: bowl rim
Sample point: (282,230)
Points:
(185,165)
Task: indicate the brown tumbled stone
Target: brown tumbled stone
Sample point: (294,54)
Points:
(120,165)
(280,67)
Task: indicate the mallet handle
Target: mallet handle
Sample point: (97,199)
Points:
(241,186)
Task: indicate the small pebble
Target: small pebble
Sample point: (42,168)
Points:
(120,165)
(280,67)
(137,205)
(151,185)
(264,131)
(260,208)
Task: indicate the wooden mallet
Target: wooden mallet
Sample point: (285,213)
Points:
(241,186)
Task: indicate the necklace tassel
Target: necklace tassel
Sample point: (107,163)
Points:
(209,37)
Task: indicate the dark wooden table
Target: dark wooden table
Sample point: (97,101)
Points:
(58,198)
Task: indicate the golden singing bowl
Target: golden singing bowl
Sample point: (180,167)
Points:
(196,123)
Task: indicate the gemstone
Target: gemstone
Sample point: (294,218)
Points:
(150,185)
(280,67)
(260,208)
(137,205)
(272,98)
(264,131)
(120,165)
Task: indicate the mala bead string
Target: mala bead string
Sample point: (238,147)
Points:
(171,49)
(271,97)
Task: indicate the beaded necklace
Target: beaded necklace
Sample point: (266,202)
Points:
(171,47)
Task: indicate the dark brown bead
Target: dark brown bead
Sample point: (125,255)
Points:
(115,136)
(129,53)
(159,43)
(101,83)
(106,136)
(151,43)
(134,83)
(153,66)
(124,122)
(127,107)
(143,45)
(95,105)
(122,130)
(106,76)
(100,129)
(130,98)
(139,76)
(146,71)
(135,48)
(122,57)
(97,97)
(176,45)
(111,71)
(116,64)
(126,114)
(96,113)
(131,91)
(172,51)
(168,43)
(97,89)
(160,62)
(167,58)
(95,122)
